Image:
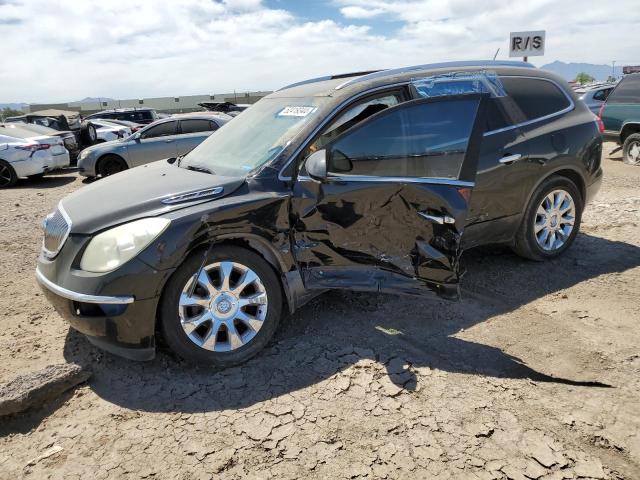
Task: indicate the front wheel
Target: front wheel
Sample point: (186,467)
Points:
(551,221)
(222,311)
(110,165)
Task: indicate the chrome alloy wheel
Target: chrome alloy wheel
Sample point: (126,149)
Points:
(554,220)
(5,176)
(634,153)
(223,306)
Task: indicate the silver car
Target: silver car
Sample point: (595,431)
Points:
(166,138)
(595,96)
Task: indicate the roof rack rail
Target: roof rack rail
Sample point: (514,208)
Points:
(470,63)
(327,77)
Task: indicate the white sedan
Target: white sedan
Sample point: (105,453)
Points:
(25,154)
(107,131)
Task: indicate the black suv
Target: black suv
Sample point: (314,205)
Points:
(372,182)
(142,116)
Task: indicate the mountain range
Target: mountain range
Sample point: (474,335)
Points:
(570,70)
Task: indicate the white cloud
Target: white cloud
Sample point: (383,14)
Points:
(361,12)
(60,51)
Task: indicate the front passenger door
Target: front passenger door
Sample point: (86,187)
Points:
(154,143)
(391,210)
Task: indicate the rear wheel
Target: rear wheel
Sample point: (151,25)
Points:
(551,221)
(110,165)
(223,313)
(631,149)
(8,176)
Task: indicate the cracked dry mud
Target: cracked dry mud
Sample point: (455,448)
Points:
(533,375)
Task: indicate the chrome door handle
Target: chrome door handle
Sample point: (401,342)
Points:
(509,159)
(439,219)
(168,141)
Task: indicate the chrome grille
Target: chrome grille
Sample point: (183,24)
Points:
(56,230)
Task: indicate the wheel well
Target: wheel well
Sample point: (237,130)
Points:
(628,129)
(576,178)
(106,155)
(248,244)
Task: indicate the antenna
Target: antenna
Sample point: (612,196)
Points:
(498,50)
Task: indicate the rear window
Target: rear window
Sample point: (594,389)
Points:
(535,97)
(627,91)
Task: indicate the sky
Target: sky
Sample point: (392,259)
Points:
(64,50)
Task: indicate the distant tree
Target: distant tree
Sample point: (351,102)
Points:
(9,112)
(583,78)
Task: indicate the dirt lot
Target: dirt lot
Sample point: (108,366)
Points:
(534,374)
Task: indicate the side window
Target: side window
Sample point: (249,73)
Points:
(627,91)
(351,116)
(196,125)
(162,130)
(535,97)
(425,139)
(601,95)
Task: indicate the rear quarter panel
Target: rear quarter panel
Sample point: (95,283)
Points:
(615,115)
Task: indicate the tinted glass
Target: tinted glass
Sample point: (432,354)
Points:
(602,94)
(417,140)
(627,91)
(535,98)
(162,130)
(196,125)
(496,118)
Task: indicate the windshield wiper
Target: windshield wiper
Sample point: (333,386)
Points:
(200,169)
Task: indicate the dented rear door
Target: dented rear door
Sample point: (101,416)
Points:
(390,214)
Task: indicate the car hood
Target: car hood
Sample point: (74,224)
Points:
(139,193)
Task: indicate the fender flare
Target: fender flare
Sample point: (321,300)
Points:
(635,123)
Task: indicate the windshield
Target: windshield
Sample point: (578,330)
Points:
(255,137)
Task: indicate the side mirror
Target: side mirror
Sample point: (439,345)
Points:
(316,165)
(136,137)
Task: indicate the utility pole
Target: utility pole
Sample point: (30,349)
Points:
(613,68)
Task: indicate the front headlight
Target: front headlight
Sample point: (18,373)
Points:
(110,249)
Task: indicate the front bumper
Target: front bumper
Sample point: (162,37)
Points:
(117,324)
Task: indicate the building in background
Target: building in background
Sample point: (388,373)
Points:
(184,104)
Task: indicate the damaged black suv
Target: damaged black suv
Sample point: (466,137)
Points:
(363,182)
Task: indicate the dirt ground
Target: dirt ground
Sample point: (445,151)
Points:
(533,375)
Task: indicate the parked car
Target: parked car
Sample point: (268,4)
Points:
(595,96)
(107,131)
(24,153)
(133,126)
(138,115)
(62,121)
(166,138)
(621,117)
(371,182)
(68,137)
(230,108)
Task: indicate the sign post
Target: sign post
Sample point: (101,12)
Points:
(527,44)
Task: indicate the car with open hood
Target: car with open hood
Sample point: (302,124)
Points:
(372,182)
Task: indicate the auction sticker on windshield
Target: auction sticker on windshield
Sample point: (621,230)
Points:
(296,111)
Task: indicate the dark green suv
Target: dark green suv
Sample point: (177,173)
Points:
(621,117)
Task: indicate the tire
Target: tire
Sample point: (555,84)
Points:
(631,149)
(88,135)
(530,238)
(201,345)
(110,165)
(8,177)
